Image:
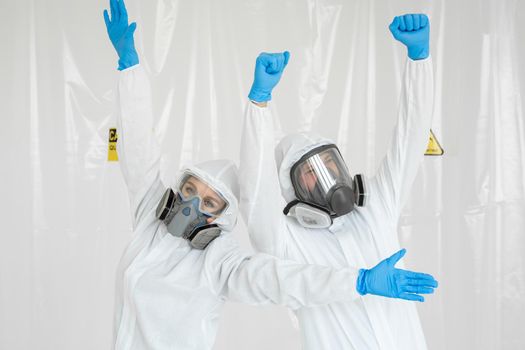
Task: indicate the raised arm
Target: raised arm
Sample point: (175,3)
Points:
(401,163)
(261,279)
(138,150)
(261,200)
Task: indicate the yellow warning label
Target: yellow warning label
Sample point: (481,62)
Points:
(112,145)
(434,148)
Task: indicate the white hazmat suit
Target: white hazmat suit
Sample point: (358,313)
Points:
(359,239)
(168,295)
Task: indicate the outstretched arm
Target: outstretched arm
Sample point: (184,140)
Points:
(261,199)
(261,279)
(138,150)
(264,279)
(399,168)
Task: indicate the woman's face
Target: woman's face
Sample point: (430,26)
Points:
(211,202)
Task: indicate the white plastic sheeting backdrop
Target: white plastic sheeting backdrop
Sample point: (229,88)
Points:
(64,213)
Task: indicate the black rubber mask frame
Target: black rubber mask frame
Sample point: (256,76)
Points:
(320,199)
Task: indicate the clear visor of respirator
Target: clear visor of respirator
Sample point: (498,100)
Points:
(212,203)
(317,173)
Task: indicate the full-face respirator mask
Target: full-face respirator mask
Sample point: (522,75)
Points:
(324,189)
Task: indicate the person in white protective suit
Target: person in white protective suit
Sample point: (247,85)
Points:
(301,203)
(181,264)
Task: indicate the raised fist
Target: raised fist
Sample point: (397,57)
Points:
(413,31)
(269,68)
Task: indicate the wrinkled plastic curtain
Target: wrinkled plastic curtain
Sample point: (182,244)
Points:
(64,207)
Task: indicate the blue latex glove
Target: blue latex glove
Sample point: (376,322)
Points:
(121,34)
(386,280)
(268,70)
(414,32)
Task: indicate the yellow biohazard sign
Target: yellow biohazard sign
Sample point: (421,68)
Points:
(112,145)
(433,148)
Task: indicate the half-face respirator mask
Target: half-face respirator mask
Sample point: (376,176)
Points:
(189,211)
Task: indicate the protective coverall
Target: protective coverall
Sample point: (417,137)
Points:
(168,295)
(360,239)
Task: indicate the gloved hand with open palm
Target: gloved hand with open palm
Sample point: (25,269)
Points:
(121,34)
(386,280)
